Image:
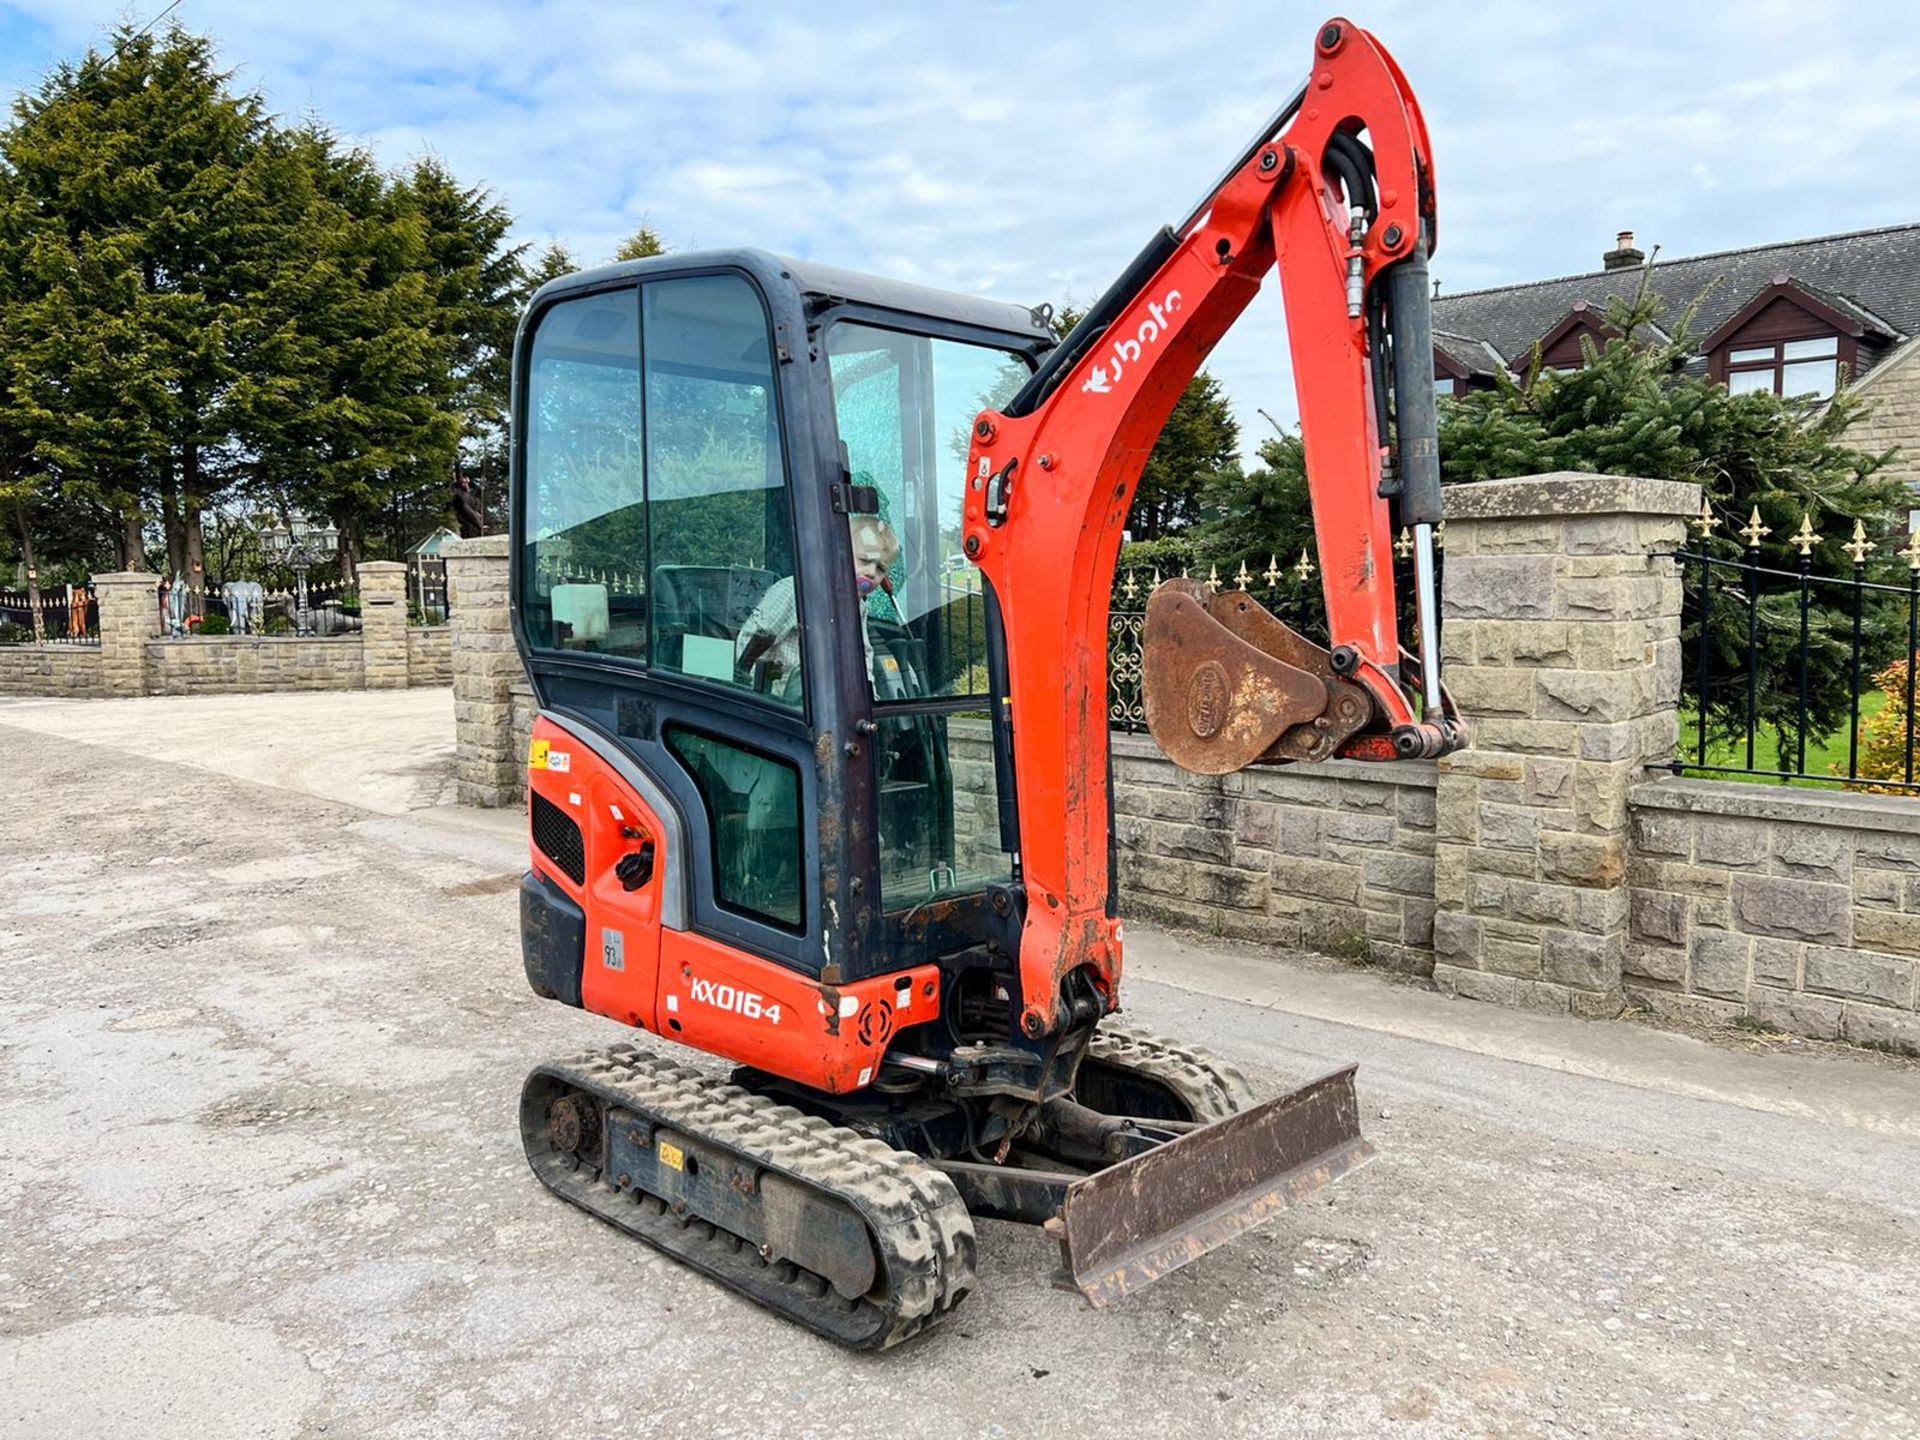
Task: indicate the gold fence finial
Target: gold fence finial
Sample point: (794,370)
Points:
(1805,539)
(1912,553)
(1860,547)
(1756,530)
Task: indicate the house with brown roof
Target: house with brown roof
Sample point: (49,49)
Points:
(1796,318)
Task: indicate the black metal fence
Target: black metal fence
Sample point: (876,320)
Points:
(1797,676)
(65,615)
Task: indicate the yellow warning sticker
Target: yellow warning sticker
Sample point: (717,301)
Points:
(672,1156)
(537,755)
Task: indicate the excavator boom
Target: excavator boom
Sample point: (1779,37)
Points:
(1338,196)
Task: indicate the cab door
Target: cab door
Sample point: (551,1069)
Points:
(661,594)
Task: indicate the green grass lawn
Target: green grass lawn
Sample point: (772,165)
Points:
(1825,753)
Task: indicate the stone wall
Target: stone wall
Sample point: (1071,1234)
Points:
(429,655)
(487,764)
(65,670)
(1894,390)
(1335,857)
(1799,908)
(132,658)
(1561,638)
(243,664)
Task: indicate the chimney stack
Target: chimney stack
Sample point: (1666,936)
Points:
(1623,256)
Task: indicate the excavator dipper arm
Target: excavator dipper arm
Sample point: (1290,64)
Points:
(1337,195)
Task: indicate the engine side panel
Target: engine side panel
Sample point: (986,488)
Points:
(585,820)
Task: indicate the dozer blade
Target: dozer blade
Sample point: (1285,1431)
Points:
(1127,1226)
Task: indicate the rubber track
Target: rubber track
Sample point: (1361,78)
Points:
(1210,1086)
(922,1233)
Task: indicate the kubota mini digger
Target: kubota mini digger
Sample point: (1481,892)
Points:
(811,574)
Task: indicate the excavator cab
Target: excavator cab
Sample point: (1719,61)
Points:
(714,447)
(810,575)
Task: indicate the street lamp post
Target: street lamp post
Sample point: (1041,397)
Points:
(302,544)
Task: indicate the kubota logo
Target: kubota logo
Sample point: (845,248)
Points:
(1128,349)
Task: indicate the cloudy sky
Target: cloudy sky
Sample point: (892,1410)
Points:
(1027,150)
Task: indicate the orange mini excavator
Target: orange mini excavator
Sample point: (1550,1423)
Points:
(811,573)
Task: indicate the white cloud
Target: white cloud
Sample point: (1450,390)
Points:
(1027,151)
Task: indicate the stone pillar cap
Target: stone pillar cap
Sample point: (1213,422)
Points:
(381,567)
(1569,492)
(496,547)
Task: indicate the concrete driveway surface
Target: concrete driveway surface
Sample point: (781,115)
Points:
(262,1029)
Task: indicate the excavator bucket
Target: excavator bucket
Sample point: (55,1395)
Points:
(1227,685)
(1132,1223)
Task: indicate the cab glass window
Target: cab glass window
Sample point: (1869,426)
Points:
(722,567)
(753,815)
(905,407)
(584,564)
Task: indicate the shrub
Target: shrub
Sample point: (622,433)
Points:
(12,634)
(1883,737)
(216,625)
(277,624)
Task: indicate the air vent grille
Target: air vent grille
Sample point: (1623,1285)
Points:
(559,839)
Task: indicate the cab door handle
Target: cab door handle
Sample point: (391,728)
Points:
(635,868)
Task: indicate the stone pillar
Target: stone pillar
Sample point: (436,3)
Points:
(1561,636)
(485,666)
(383,623)
(129,617)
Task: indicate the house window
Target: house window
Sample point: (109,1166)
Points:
(1789,367)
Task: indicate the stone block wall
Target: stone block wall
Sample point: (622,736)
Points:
(245,664)
(1561,640)
(1894,424)
(1335,857)
(383,624)
(1797,908)
(485,667)
(133,659)
(429,655)
(55,670)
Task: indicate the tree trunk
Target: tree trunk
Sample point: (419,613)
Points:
(170,520)
(349,549)
(133,541)
(193,538)
(33,574)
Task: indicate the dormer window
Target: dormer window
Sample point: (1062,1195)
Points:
(1787,367)
(1793,340)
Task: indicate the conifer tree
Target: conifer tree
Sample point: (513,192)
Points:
(1633,408)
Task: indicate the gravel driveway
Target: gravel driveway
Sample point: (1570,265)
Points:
(259,1176)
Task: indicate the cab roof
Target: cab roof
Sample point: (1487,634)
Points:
(822,286)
